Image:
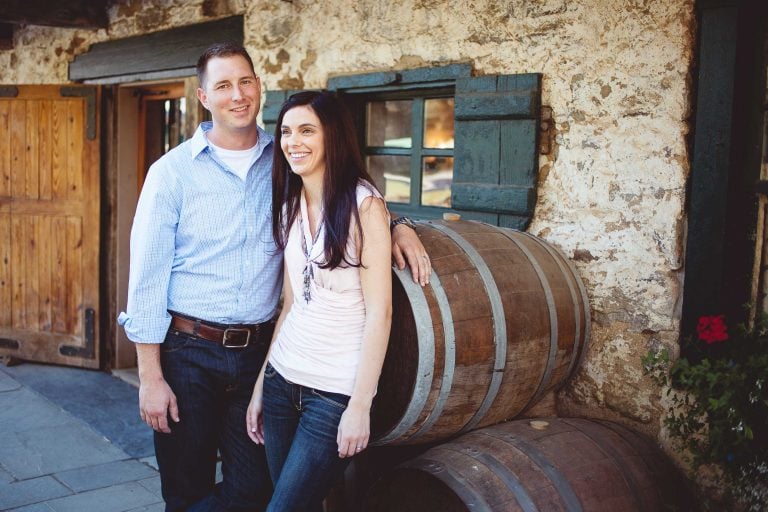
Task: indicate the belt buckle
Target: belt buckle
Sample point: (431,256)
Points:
(228,330)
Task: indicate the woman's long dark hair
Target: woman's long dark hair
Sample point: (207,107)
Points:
(344,168)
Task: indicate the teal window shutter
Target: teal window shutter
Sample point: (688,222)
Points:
(273,102)
(496,146)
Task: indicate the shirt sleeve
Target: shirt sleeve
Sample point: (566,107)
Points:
(153,241)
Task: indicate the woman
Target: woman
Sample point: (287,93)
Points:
(311,404)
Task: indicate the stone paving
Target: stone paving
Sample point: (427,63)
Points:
(53,459)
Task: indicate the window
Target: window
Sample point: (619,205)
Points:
(438,139)
(409,149)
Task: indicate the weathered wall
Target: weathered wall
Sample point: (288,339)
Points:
(616,75)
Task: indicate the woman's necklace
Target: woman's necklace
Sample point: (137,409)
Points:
(309,273)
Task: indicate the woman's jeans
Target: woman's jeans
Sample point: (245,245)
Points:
(300,427)
(213,386)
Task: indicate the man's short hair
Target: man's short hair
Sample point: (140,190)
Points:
(220,50)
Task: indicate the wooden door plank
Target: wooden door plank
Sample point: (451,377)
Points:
(76,134)
(18,134)
(91,214)
(58,207)
(32,262)
(58,275)
(5,268)
(58,149)
(5,148)
(31,160)
(44,148)
(74,276)
(43,346)
(18,319)
(44,269)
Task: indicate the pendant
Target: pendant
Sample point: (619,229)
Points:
(309,274)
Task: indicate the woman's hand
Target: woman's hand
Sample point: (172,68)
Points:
(254,420)
(407,248)
(354,430)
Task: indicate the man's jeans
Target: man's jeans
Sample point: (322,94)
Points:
(300,427)
(213,387)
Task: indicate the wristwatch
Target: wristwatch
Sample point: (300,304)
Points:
(401,220)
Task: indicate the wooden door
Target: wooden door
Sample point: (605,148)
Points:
(49,224)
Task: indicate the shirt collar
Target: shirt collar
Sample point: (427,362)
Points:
(199,141)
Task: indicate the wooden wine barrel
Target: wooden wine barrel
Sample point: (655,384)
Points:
(504,319)
(571,465)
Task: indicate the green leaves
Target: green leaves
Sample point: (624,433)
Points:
(719,408)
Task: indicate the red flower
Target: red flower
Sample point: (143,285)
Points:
(712,329)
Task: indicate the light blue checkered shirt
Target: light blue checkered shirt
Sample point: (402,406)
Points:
(201,242)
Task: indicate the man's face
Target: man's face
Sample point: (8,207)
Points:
(231,92)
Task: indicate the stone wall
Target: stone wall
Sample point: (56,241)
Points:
(612,191)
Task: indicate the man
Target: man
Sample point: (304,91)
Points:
(204,285)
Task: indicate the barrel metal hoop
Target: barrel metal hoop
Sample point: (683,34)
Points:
(587,313)
(614,457)
(455,482)
(559,259)
(449,334)
(577,312)
(559,481)
(552,309)
(511,481)
(502,472)
(426,364)
(499,324)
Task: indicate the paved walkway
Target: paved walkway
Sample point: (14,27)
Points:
(72,441)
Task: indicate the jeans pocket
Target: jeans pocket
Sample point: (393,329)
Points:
(269,371)
(175,341)
(335,399)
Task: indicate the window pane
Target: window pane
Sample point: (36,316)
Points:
(389,124)
(438,123)
(392,175)
(436,179)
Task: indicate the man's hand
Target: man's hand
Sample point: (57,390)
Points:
(156,403)
(156,400)
(406,247)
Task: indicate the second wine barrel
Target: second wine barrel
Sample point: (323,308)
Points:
(504,319)
(565,464)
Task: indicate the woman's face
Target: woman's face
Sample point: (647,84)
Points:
(302,142)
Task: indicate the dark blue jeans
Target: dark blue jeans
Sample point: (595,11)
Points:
(300,427)
(213,386)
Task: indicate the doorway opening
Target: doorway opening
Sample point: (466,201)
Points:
(152,119)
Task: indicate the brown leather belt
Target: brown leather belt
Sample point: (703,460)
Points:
(230,336)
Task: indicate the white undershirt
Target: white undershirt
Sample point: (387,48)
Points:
(239,160)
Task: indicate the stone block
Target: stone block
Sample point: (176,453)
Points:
(23,410)
(25,492)
(103,475)
(49,450)
(117,498)
(153,485)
